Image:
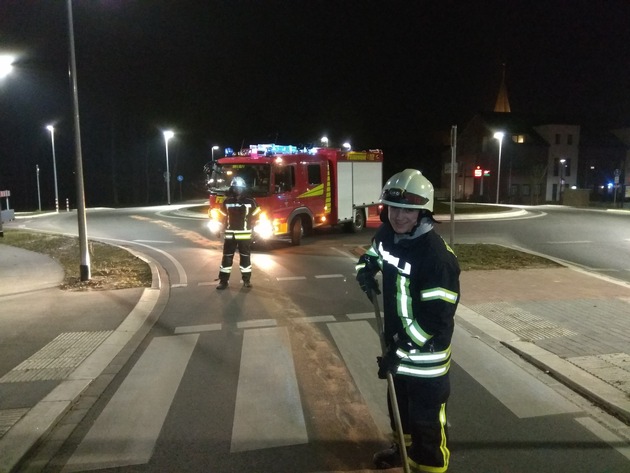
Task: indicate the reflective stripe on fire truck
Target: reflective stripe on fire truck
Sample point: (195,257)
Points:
(315,191)
(328,204)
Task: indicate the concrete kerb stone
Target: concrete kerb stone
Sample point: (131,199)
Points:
(27,433)
(603,394)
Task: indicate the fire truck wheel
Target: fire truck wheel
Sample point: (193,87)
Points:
(358,223)
(297,231)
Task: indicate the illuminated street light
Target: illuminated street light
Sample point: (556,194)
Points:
(51,129)
(6,65)
(168,134)
(213,148)
(324,140)
(562,161)
(499,136)
(347,146)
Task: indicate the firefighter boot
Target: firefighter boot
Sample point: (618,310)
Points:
(223,284)
(388,458)
(246,282)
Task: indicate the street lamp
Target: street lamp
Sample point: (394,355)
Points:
(562,161)
(347,146)
(168,134)
(6,65)
(499,136)
(84,266)
(51,129)
(324,140)
(39,195)
(213,148)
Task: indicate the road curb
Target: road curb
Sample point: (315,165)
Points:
(603,394)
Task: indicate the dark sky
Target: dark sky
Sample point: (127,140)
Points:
(380,74)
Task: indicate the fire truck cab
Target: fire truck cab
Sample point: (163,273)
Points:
(299,189)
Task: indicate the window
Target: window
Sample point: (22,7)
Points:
(314,174)
(557,138)
(569,139)
(526,190)
(513,190)
(518,138)
(284,179)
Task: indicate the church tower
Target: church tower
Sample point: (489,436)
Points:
(502,105)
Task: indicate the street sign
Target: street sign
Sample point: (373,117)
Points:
(180,178)
(5,193)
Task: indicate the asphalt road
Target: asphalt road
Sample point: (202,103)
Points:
(281,377)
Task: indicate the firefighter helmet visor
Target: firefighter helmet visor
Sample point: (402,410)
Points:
(394,196)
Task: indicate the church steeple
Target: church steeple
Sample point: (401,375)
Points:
(502,105)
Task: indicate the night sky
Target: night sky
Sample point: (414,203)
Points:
(390,74)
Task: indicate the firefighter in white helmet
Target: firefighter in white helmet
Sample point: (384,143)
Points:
(420,295)
(239,211)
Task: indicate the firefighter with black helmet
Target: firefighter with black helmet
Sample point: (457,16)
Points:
(239,211)
(420,296)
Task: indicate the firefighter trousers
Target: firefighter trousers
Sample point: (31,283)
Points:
(230,245)
(422,405)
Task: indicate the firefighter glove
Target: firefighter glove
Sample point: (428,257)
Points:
(368,282)
(388,363)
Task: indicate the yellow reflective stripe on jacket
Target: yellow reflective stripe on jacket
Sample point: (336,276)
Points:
(238,234)
(418,356)
(405,312)
(422,372)
(439,293)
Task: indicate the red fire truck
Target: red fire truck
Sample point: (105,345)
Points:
(299,189)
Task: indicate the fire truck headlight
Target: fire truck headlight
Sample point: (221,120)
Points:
(264,227)
(214,226)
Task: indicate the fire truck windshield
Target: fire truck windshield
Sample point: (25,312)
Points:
(256,178)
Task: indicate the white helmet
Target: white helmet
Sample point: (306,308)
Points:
(408,189)
(238,182)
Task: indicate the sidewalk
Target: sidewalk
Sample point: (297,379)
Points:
(571,324)
(55,344)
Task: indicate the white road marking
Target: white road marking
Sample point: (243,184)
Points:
(268,411)
(314,319)
(291,278)
(183,279)
(126,431)
(569,242)
(154,241)
(327,276)
(359,345)
(257,323)
(198,328)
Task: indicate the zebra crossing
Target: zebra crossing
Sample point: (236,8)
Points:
(269,411)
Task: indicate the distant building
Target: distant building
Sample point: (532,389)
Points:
(541,157)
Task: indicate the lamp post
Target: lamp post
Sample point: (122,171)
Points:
(324,140)
(6,65)
(347,146)
(51,129)
(168,134)
(562,161)
(213,148)
(499,136)
(84,266)
(39,195)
